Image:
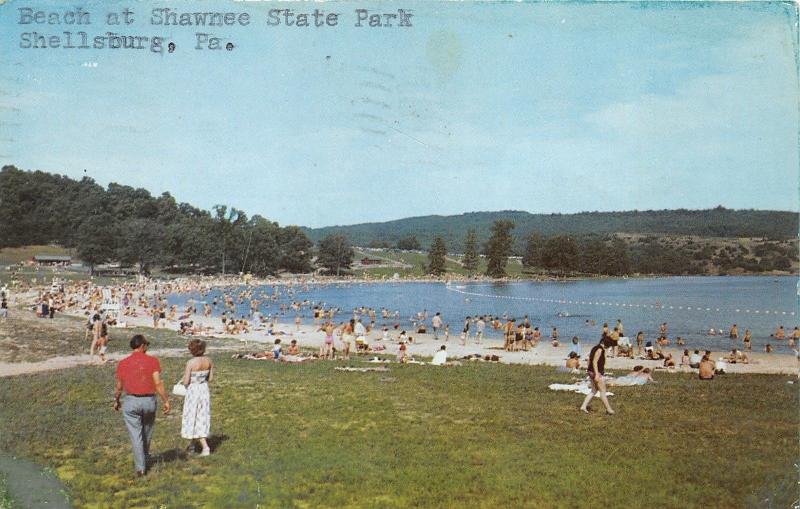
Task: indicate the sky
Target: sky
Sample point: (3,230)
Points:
(543,107)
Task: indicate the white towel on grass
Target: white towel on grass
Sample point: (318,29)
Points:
(580,388)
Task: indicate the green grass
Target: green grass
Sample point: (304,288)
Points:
(6,502)
(419,261)
(24,338)
(44,275)
(478,435)
(11,255)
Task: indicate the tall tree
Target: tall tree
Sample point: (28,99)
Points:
(471,258)
(142,243)
(437,257)
(533,247)
(229,225)
(498,248)
(560,253)
(335,254)
(262,255)
(592,254)
(296,250)
(409,243)
(618,261)
(96,240)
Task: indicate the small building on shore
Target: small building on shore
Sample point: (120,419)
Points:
(52,260)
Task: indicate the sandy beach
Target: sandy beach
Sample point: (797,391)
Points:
(424,345)
(310,338)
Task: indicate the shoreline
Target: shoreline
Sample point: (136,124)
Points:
(310,278)
(424,345)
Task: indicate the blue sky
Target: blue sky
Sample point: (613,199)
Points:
(542,107)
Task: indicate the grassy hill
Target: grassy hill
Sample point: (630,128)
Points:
(718,222)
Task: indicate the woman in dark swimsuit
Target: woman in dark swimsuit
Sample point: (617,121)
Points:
(596,370)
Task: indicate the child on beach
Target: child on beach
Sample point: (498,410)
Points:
(326,350)
(576,346)
(401,357)
(276,350)
(573,362)
(446,332)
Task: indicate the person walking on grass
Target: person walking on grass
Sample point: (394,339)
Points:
(96,322)
(139,375)
(196,421)
(596,372)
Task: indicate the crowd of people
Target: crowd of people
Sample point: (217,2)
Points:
(242,310)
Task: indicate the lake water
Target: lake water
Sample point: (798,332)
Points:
(689,305)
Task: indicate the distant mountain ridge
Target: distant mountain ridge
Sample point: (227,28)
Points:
(717,222)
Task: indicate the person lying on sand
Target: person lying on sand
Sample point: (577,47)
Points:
(639,376)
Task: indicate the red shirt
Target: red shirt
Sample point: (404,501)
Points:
(136,373)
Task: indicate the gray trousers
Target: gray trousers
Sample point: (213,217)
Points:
(140,416)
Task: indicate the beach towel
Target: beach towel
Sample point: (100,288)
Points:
(580,388)
(628,380)
(361,370)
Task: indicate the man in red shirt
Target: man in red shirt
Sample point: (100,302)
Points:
(139,375)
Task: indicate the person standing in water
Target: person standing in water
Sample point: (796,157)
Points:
(465,332)
(436,322)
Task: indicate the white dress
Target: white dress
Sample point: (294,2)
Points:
(197,407)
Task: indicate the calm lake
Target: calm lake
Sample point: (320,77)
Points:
(689,305)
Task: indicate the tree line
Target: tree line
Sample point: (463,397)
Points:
(611,255)
(420,231)
(128,225)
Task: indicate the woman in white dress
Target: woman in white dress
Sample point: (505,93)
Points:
(196,422)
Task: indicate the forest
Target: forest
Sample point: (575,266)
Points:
(131,227)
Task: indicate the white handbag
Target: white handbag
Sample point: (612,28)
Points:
(179,389)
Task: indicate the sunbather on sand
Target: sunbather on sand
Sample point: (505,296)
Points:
(639,376)
(573,362)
